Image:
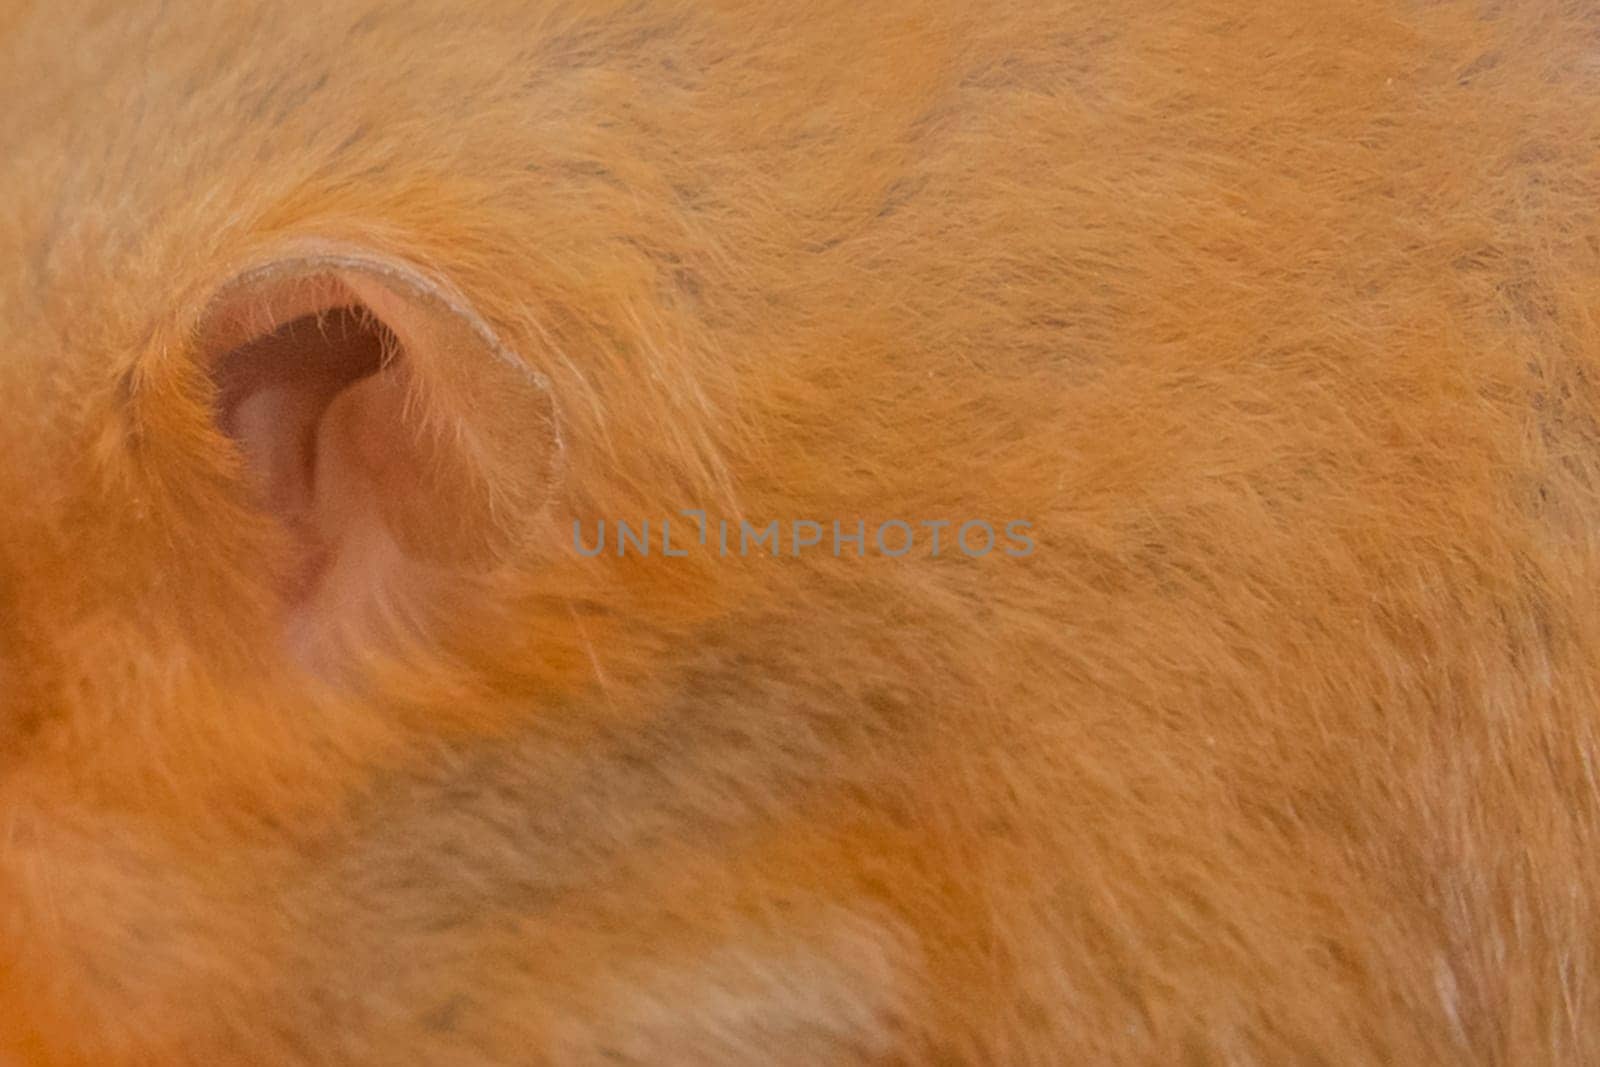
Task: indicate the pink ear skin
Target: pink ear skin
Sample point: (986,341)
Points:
(383,424)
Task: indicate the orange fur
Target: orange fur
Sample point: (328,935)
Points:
(1277,322)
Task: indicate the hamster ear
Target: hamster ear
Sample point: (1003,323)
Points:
(382,424)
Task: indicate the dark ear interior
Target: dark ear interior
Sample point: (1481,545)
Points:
(274,390)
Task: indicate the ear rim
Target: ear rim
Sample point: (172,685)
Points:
(229,316)
(307,257)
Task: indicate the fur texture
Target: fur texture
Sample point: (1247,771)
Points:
(1277,321)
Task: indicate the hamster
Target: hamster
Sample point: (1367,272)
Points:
(910,532)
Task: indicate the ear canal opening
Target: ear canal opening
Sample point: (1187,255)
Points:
(274,391)
(316,389)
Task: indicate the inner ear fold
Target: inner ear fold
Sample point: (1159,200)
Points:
(380,421)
